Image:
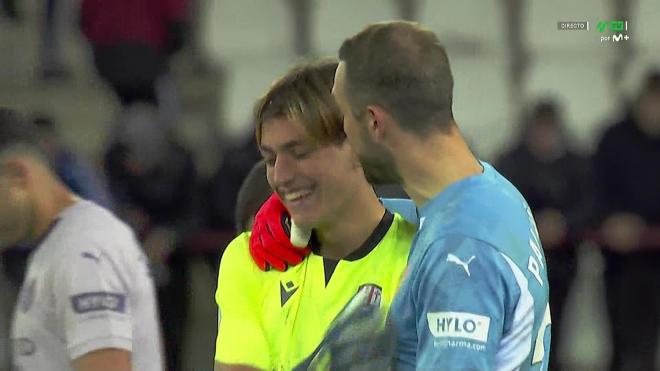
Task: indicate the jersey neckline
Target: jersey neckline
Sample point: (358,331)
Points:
(452,189)
(367,246)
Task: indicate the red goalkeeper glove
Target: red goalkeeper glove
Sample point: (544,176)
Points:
(270,244)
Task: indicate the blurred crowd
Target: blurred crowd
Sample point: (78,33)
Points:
(609,199)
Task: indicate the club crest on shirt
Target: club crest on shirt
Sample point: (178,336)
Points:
(370,294)
(27,296)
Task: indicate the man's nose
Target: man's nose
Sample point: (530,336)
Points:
(284,170)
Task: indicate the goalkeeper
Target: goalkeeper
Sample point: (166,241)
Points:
(277,319)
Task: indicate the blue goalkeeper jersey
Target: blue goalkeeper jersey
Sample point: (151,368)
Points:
(475,293)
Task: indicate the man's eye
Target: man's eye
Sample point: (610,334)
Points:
(301,154)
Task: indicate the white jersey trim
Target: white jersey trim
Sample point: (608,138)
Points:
(516,346)
(101,343)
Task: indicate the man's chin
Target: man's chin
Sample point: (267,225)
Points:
(304,221)
(379,172)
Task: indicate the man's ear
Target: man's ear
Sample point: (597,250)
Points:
(17,171)
(379,123)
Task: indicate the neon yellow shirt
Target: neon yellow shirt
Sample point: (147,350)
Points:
(275,320)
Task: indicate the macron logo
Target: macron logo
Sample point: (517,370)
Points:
(454,259)
(286,292)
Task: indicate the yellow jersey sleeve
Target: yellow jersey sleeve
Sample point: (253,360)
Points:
(241,338)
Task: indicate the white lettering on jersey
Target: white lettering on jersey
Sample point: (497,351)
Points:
(538,251)
(459,325)
(530,216)
(535,261)
(533,267)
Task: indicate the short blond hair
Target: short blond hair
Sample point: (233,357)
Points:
(304,94)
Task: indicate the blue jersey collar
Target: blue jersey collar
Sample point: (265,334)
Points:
(449,193)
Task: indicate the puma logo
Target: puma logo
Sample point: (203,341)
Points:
(88,255)
(454,259)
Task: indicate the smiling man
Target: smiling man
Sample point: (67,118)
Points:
(476,293)
(278,320)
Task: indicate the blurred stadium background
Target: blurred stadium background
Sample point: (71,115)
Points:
(239,46)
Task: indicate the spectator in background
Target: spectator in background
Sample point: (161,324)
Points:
(554,180)
(626,166)
(153,180)
(408,9)
(223,187)
(51,65)
(132,42)
(217,204)
(10,9)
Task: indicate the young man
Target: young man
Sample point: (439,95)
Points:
(87,302)
(277,320)
(476,292)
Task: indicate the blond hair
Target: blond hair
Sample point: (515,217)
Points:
(304,94)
